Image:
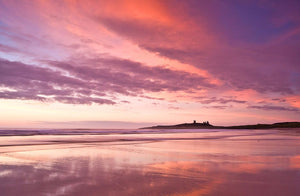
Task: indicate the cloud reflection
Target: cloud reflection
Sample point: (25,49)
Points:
(200,167)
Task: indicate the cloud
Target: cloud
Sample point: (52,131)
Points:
(29,82)
(174,107)
(4,48)
(249,48)
(91,80)
(220,107)
(242,51)
(209,100)
(126,76)
(272,107)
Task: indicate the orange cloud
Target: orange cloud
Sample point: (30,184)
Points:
(294,101)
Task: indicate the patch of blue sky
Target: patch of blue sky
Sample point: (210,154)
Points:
(4,39)
(248,22)
(33,49)
(32,45)
(17,57)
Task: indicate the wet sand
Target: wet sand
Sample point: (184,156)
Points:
(147,162)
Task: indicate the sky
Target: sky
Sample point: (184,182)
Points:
(132,63)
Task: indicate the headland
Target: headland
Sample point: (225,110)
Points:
(207,125)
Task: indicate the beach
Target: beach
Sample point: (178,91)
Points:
(150,162)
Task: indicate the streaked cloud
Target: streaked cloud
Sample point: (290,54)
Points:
(272,107)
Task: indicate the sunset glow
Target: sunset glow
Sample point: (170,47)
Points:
(76,63)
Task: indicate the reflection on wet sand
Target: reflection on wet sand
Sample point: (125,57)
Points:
(242,163)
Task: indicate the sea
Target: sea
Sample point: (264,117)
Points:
(175,162)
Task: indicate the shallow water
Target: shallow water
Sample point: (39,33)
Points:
(150,162)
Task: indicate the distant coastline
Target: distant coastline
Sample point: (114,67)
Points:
(206,125)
